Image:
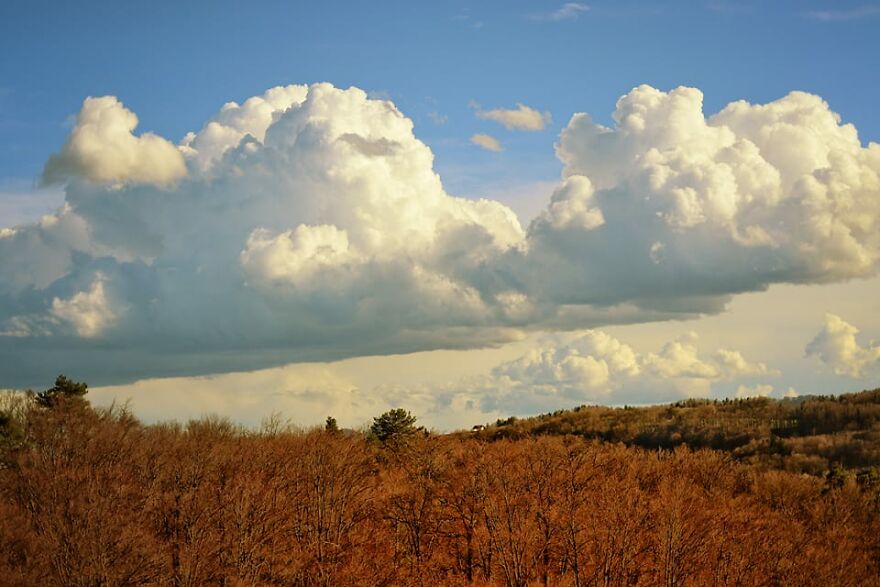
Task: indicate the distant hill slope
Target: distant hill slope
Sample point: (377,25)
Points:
(811,434)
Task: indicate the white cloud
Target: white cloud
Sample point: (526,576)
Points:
(309,224)
(296,255)
(568,11)
(837,347)
(85,314)
(487,142)
(234,122)
(680,358)
(781,192)
(680,361)
(520,118)
(572,205)
(88,312)
(102,148)
(732,363)
(595,367)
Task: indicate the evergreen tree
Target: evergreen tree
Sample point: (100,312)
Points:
(65,390)
(394,425)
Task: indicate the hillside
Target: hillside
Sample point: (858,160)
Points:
(90,496)
(811,434)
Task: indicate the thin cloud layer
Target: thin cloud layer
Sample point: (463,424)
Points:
(308,224)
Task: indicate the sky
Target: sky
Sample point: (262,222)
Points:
(466,210)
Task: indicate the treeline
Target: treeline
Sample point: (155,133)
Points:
(811,435)
(92,497)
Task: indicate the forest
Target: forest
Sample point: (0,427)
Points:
(90,496)
(811,434)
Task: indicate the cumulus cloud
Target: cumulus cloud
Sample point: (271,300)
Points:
(700,207)
(85,314)
(680,360)
(295,256)
(487,142)
(520,118)
(837,347)
(595,367)
(308,224)
(572,205)
(102,147)
(234,122)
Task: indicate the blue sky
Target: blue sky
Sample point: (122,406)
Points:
(303,258)
(174,63)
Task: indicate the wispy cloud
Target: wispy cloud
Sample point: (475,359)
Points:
(568,11)
(437,118)
(841,15)
(487,142)
(520,118)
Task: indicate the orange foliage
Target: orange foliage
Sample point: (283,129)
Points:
(92,497)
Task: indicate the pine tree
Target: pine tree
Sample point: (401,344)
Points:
(65,390)
(393,425)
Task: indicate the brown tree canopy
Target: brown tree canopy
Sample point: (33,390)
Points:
(92,497)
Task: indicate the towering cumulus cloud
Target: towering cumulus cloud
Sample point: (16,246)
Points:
(670,209)
(308,224)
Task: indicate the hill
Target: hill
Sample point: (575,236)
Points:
(812,434)
(90,496)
